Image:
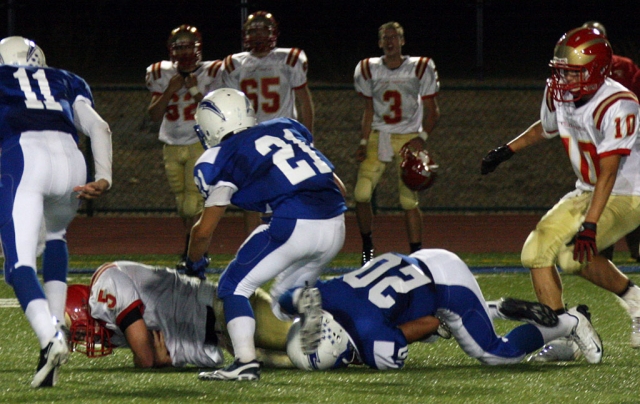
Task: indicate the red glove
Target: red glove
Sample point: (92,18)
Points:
(585,243)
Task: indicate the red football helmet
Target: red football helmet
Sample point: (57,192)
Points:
(185,47)
(581,62)
(418,170)
(260,32)
(87,335)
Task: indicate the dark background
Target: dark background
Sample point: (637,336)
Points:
(113,41)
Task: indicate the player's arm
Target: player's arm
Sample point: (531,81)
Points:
(606,179)
(419,328)
(306,110)
(202,231)
(533,135)
(159,102)
(340,184)
(138,338)
(431,114)
(191,83)
(365,129)
(89,122)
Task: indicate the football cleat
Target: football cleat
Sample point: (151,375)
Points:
(240,371)
(56,353)
(309,306)
(522,310)
(585,335)
(367,255)
(559,350)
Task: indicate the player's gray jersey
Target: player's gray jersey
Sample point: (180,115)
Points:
(170,302)
(268,81)
(179,118)
(605,125)
(397,93)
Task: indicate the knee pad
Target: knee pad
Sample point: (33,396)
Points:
(363,190)
(192,203)
(408,199)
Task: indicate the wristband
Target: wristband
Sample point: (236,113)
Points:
(194,90)
(363,142)
(423,135)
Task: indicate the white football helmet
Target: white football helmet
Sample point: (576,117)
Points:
(335,350)
(19,51)
(222,112)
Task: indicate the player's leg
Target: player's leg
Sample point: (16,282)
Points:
(175,158)
(409,200)
(633,243)
(369,173)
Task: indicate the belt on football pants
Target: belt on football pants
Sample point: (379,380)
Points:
(210,337)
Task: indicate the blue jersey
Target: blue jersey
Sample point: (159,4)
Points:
(35,99)
(273,167)
(371,302)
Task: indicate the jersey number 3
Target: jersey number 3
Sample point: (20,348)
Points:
(31,97)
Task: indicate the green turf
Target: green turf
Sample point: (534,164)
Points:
(437,372)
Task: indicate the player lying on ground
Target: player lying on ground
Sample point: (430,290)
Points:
(374,313)
(167,319)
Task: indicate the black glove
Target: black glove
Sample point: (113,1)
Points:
(494,158)
(197,268)
(585,243)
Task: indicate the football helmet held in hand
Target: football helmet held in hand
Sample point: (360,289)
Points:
(581,62)
(335,350)
(418,170)
(222,112)
(19,51)
(260,32)
(87,335)
(185,48)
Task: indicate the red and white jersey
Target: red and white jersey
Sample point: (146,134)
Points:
(170,302)
(397,93)
(179,118)
(605,125)
(268,81)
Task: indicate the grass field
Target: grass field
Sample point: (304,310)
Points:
(437,372)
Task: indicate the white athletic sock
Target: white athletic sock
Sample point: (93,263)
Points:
(242,331)
(41,321)
(631,301)
(56,293)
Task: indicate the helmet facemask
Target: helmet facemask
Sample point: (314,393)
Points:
(581,63)
(185,48)
(260,32)
(86,335)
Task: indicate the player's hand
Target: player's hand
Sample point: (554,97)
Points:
(161,355)
(361,153)
(175,83)
(92,190)
(197,268)
(417,143)
(585,243)
(494,158)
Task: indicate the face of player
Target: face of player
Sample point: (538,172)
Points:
(391,43)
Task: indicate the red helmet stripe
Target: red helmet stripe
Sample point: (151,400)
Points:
(365,69)
(421,67)
(602,108)
(228,64)
(292,58)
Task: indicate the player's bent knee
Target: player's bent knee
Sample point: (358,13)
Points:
(408,199)
(363,190)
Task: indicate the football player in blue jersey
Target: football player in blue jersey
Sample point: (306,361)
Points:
(44,175)
(271,167)
(372,315)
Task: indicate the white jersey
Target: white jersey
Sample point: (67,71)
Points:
(268,81)
(605,125)
(170,302)
(179,118)
(397,93)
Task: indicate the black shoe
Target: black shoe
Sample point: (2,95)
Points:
(241,371)
(522,310)
(367,255)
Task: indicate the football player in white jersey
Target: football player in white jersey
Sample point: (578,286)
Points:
(597,120)
(43,173)
(400,106)
(177,86)
(167,319)
(274,79)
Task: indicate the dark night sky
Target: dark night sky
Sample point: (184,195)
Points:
(113,41)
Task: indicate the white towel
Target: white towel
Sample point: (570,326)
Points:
(385,150)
